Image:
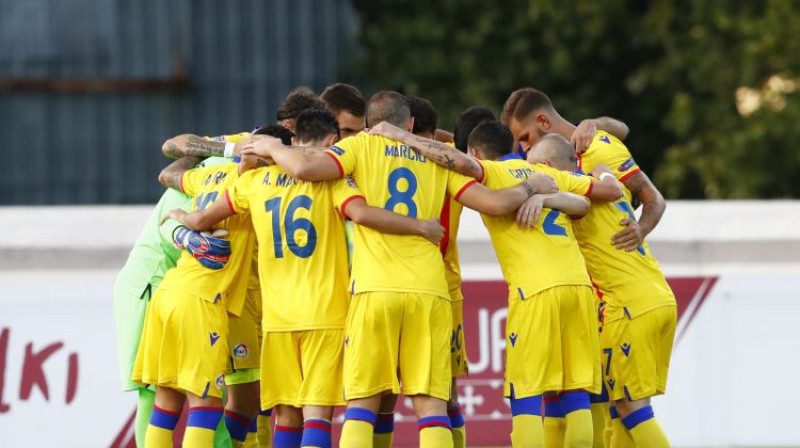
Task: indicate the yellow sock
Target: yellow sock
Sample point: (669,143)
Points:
(620,438)
(435,437)
(251,441)
(554,428)
(264,434)
(579,429)
(599,417)
(196,437)
(382,440)
(527,431)
(460,437)
(645,430)
(356,434)
(156,437)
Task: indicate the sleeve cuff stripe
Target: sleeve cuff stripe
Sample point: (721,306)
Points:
(591,187)
(347,201)
(338,163)
(228,200)
(629,175)
(464,188)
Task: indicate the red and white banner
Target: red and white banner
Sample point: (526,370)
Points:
(731,379)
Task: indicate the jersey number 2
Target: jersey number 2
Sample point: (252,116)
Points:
(292,226)
(402,197)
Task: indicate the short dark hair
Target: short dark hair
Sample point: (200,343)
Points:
(298,100)
(521,103)
(466,122)
(315,124)
(344,97)
(390,106)
(277,131)
(425,115)
(492,137)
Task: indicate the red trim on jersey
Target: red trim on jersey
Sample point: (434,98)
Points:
(444,220)
(181,184)
(338,163)
(464,188)
(347,201)
(230,203)
(174,414)
(591,187)
(289,429)
(239,418)
(597,288)
(628,176)
(580,161)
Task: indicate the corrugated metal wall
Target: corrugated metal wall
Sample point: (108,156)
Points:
(217,67)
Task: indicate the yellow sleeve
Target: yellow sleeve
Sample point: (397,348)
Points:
(344,152)
(343,191)
(231,138)
(612,152)
(237,194)
(458,183)
(569,182)
(190,180)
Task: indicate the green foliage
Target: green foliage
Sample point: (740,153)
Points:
(670,69)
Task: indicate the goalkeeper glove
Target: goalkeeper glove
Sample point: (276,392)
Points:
(210,252)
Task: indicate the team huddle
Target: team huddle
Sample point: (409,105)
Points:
(319,269)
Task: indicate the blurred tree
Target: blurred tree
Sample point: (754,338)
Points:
(708,87)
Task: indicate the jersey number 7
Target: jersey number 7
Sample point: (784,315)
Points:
(292,226)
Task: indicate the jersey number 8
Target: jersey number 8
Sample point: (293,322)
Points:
(292,226)
(402,197)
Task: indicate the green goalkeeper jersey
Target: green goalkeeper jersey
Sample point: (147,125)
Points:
(153,254)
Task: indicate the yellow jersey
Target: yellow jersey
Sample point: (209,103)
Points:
(252,282)
(630,283)
(607,149)
(302,250)
(395,177)
(546,255)
(229,284)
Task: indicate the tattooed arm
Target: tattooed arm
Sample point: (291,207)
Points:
(438,152)
(653,206)
(192,145)
(170,176)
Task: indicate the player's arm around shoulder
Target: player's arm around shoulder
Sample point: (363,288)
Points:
(606,188)
(438,152)
(653,208)
(506,200)
(172,175)
(304,163)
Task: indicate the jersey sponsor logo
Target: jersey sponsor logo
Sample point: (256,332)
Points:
(626,349)
(404,152)
(605,139)
(220,382)
(611,382)
(337,150)
(628,164)
(214,337)
(240,351)
(513,338)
